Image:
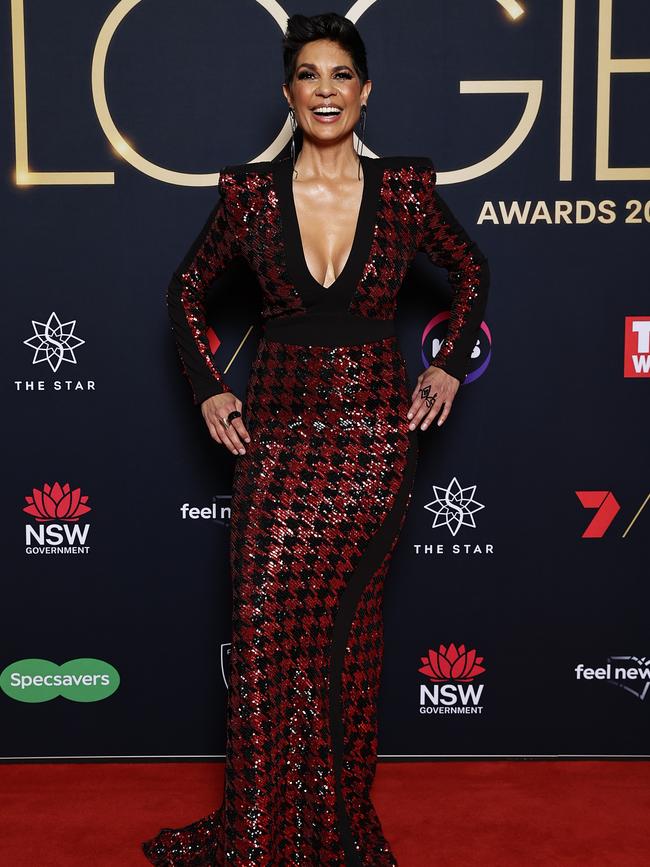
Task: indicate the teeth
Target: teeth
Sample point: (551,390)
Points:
(327,110)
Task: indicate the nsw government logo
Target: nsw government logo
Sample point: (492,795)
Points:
(56,510)
(450,672)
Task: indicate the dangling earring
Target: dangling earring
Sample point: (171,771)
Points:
(292,117)
(364,110)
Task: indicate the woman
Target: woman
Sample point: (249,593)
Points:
(327,439)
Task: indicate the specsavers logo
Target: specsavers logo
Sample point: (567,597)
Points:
(37,680)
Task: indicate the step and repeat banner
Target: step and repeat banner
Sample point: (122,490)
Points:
(516,609)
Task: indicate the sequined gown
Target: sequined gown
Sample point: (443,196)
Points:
(318,502)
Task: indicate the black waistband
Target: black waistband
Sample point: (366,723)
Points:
(328,329)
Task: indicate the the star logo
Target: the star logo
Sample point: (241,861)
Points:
(54,342)
(454,507)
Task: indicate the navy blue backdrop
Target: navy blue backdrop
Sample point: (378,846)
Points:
(522,559)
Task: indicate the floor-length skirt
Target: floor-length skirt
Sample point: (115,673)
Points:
(318,503)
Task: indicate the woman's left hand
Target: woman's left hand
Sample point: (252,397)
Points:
(435,389)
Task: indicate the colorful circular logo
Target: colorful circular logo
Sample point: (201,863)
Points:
(433,335)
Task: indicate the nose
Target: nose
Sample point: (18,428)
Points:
(326,90)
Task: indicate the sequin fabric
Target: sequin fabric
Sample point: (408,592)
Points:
(395,240)
(318,504)
(187,296)
(448,246)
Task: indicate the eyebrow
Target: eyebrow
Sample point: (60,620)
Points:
(334,68)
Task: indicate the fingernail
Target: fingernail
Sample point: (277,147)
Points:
(424,427)
(410,415)
(248,439)
(411,426)
(242,451)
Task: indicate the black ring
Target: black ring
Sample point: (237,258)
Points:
(234,414)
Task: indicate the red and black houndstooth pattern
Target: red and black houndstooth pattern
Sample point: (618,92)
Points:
(247,222)
(318,503)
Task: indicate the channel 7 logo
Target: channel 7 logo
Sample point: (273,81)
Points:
(607,507)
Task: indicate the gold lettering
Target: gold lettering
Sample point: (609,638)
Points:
(24,175)
(533,89)
(608,66)
(567,89)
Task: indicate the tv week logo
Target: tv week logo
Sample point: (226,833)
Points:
(637,346)
(57,510)
(449,669)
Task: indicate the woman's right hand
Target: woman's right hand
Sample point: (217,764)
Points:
(218,407)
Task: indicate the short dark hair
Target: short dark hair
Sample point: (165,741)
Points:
(330,25)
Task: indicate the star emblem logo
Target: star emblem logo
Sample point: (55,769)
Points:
(454,507)
(53,341)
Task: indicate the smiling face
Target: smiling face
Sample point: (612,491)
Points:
(325,77)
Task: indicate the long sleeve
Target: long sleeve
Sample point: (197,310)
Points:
(189,290)
(448,245)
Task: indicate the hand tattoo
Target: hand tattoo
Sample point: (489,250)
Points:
(424,394)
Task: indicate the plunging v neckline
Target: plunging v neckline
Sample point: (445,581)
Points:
(361,241)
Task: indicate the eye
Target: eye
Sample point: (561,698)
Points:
(306,73)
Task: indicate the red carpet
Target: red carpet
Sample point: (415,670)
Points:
(439,814)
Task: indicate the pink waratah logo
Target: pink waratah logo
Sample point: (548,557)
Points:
(56,503)
(451,663)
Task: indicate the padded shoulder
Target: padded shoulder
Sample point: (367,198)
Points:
(233,175)
(390,161)
(408,160)
(244,168)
